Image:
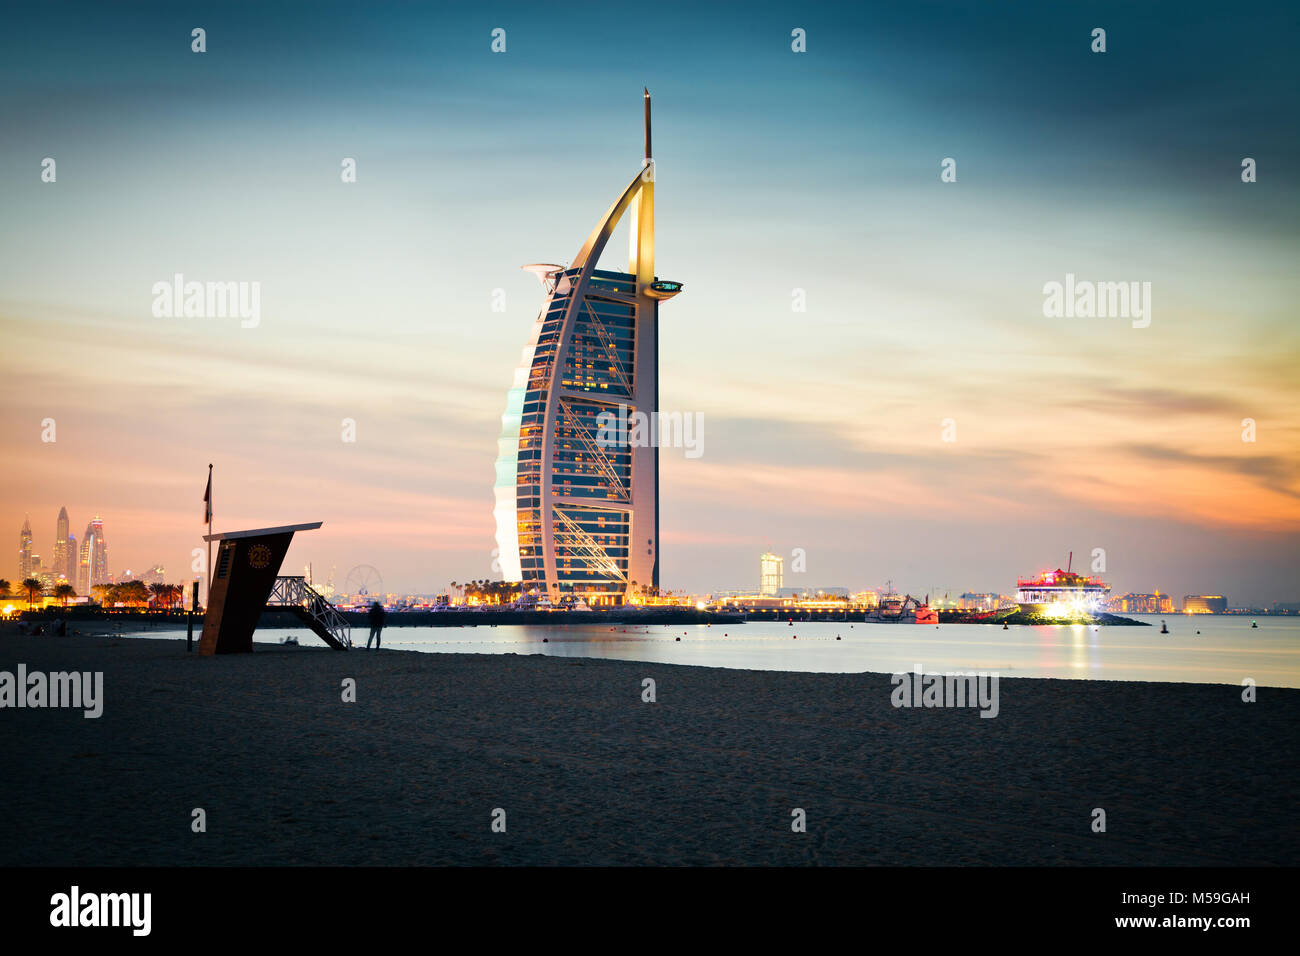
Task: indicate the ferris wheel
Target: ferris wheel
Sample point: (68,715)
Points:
(364,581)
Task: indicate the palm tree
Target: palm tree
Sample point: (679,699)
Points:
(507,591)
(133,592)
(4,588)
(106,593)
(33,588)
(164,594)
(65,592)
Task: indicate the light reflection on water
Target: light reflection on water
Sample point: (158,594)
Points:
(1226,651)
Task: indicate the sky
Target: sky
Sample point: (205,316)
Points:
(776,171)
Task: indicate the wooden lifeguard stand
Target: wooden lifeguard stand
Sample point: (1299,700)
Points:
(247,572)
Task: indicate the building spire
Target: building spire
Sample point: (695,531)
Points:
(647,122)
(641,235)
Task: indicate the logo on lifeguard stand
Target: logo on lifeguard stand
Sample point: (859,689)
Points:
(259,556)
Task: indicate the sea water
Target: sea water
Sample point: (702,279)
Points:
(1211,649)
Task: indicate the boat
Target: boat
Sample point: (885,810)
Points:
(904,610)
(1059,593)
(889,611)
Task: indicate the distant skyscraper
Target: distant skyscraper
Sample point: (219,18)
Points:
(92,568)
(25,563)
(770,574)
(101,555)
(577,505)
(71,571)
(59,563)
(82,581)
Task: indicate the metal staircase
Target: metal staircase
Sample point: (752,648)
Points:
(292,593)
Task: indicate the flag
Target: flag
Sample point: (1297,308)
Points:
(207,500)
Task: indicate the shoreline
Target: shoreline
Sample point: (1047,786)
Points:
(640,616)
(262,646)
(1048,652)
(590,773)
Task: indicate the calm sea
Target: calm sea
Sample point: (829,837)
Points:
(1201,649)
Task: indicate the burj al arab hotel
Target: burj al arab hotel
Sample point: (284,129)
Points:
(577,508)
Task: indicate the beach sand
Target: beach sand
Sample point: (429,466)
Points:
(588,773)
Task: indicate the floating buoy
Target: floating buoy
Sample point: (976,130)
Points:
(678,639)
(1198,632)
(546,640)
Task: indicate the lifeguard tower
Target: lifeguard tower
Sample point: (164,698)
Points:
(247,581)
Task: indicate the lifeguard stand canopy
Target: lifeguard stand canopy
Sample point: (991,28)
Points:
(247,564)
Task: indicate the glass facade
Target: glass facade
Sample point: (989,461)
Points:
(92,565)
(770,574)
(589,369)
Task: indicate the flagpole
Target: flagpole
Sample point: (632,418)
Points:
(208,598)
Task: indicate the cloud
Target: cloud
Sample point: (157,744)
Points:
(1278,470)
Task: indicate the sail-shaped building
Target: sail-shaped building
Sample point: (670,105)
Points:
(577,505)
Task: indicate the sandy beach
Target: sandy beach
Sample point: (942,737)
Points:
(589,773)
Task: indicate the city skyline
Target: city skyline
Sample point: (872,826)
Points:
(769,577)
(923,299)
(82,567)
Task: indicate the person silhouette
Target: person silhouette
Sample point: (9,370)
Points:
(376,624)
